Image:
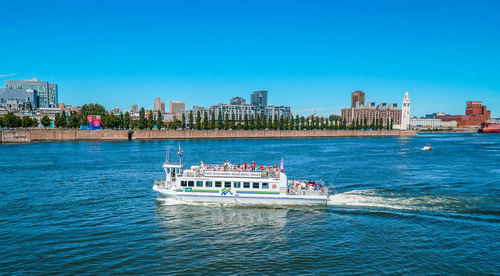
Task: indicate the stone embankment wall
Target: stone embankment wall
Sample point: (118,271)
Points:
(33,135)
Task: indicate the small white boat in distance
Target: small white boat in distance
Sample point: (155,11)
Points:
(244,183)
(427,147)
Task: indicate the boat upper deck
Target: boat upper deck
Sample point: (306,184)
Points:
(229,170)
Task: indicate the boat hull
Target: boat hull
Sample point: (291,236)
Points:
(241,198)
(488,127)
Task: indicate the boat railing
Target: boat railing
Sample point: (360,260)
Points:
(308,192)
(231,173)
(160,183)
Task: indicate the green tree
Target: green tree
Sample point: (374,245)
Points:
(127,121)
(233,121)
(205,120)
(64,119)
(227,123)
(142,118)
(26,121)
(74,121)
(238,121)
(269,122)
(3,121)
(183,122)
(60,120)
(198,120)
(390,125)
(212,120)
(175,123)
(159,120)
(219,121)
(251,122)
(151,120)
(122,121)
(334,117)
(191,125)
(34,122)
(246,124)
(57,120)
(92,109)
(45,121)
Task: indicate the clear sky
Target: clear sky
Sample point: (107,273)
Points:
(307,54)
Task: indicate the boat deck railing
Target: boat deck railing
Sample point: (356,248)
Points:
(160,183)
(198,172)
(308,192)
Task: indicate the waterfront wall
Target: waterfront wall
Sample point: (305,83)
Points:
(34,135)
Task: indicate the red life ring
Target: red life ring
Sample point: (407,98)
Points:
(274,186)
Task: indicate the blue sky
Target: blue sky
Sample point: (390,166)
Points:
(307,54)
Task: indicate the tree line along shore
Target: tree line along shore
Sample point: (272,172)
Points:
(193,121)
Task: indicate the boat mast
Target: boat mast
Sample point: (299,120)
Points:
(180,154)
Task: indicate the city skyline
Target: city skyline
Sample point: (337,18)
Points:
(151,51)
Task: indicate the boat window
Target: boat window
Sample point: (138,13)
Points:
(183,183)
(237,184)
(255,185)
(208,183)
(191,183)
(168,170)
(218,184)
(265,185)
(246,185)
(199,183)
(227,184)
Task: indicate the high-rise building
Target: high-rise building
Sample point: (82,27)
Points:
(159,105)
(237,101)
(259,98)
(405,113)
(135,109)
(177,107)
(47,93)
(357,96)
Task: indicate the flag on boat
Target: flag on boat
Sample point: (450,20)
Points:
(281,166)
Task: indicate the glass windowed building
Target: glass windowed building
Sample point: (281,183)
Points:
(46,92)
(259,98)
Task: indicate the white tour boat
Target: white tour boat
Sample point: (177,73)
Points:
(231,183)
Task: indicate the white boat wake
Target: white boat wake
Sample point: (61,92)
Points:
(378,199)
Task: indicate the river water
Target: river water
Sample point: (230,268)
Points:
(89,207)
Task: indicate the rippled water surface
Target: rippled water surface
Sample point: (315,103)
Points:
(89,207)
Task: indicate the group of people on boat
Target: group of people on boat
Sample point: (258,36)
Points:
(307,185)
(245,167)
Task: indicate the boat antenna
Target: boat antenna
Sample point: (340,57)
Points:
(180,154)
(166,157)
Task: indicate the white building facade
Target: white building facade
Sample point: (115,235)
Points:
(405,113)
(417,123)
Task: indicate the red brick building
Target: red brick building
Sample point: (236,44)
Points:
(359,111)
(475,114)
